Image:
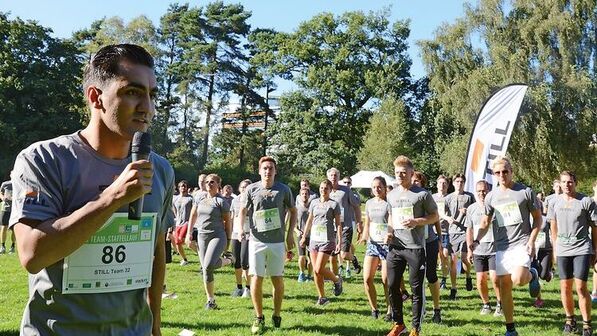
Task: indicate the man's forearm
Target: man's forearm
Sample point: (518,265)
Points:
(43,244)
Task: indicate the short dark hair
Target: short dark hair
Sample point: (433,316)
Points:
(104,65)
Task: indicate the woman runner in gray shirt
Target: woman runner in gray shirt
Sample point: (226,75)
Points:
(324,214)
(211,216)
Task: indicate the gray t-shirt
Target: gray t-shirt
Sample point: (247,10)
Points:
(345,197)
(324,219)
(210,212)
(302,213)
(182,205)
(268,225)
(474,214)
(416,201)
(54,178)
(512,209)
(454,202)
(6,191)
(550,198)
(574,217)
(377,210)
(442,208)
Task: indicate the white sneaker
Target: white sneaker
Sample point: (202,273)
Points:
(2,249)
(238,292)
(183,262)
(246,293)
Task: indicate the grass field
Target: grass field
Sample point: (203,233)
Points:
(347,314)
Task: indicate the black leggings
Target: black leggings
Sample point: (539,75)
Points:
(397,260)
(431,253)
(544,262)
(241,253)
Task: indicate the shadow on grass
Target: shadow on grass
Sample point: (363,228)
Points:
(204,325)
(9,332)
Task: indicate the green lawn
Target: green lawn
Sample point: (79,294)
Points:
(347,314)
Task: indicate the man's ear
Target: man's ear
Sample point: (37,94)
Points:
(93,96)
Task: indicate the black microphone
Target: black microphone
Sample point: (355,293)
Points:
(140,148)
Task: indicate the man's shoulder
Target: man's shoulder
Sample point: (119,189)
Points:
(52,147)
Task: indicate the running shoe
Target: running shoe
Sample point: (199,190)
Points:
(397,330)
(211,305)
(538,303)
(534,285)
(341,271)
(230,257)
(338,286)
(594,297)
(237,292)
(498,311)
(569,329)
(322,301)
(2,249)
(587,332)
(11,250)
(442,284)
(277,321)
(246,293)
(437,316)
(348,273)
(485,310)
(452,294)
(413,332)
(469,284)
(511,333)
(388,317)
(375,314)
(184,262)
(356,266)
(548,276)
(258,326)
(301,277)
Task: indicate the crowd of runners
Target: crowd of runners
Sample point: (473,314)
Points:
(507,234)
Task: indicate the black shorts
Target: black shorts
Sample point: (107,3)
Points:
(347,233)
(576,266)
(303,251)
(4,217)
(484,263)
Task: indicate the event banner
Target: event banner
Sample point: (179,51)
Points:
(492,132)
(118,257)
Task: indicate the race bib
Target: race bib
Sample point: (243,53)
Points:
(508,214)
(236,225)
(441,209)
(319,233)
(378,232)
(118,257)
(267,220)
(401,214)
(541,240)
(488,238)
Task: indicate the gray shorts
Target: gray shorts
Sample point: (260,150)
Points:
(325,247)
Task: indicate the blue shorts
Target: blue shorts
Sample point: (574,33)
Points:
(377,250)
(446,241)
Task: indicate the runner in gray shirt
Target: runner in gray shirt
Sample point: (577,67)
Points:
(323,230)
(181,205)
(302,211)
(211,216)
(457,203)
(573,218)
(5,205)
(349,211)
(70,186)
(512,204)
(484,255)
(413,209)
(268,201)
(444,253)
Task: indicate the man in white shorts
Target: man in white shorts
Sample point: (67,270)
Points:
(268,201)
(512,204)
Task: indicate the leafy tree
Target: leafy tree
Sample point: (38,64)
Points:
(39,87)
(343,65)
(551,45)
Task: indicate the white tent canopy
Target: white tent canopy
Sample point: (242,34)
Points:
(364,178)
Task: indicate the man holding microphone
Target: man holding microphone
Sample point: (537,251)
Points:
(71,196)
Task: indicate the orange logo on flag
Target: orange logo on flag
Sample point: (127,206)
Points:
(476,162)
